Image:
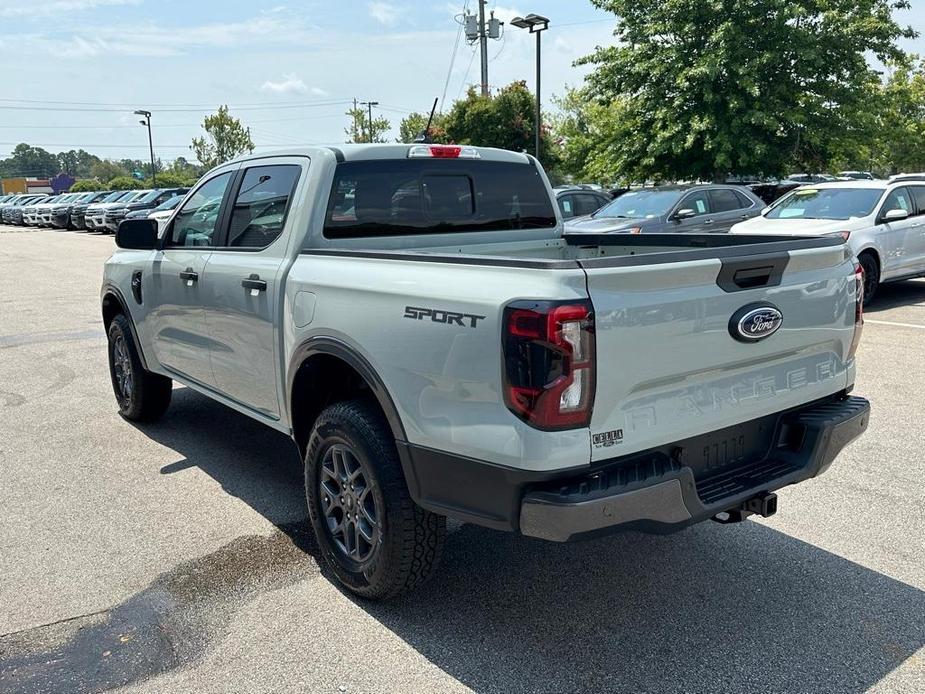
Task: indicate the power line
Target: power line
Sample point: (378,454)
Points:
(166,125)
(164,106)
(172,110)
(449,73)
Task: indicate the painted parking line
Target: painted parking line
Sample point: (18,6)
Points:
(897,325)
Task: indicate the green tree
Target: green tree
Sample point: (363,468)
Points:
(26,160)
(105,170)
(86,185)
(185,169)
(413,125)
(225,139)
(584,130)
(77,162)
(169,179)
(900,142)
(505,120)
(125,183)
(359,130)
(723,86)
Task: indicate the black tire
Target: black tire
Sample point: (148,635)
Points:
(406,540)
(142,396)
(871,269)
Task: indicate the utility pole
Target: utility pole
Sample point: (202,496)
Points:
(478,29)
(147,122)
(483,46)
(370,104)
(356,122)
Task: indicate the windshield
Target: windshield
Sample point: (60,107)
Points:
(169,204)
(640,204)
(424,196)
(151,195)
(112,197)
(129,196)
(826,203)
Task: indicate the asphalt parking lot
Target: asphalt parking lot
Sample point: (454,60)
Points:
(174,557)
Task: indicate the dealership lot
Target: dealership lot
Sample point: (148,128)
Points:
(174,556)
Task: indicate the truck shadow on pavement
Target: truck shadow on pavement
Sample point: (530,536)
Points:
(739,608)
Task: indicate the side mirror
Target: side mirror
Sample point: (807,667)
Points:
(686,213)
(137,234)
(895,215)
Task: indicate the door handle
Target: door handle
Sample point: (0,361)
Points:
(189,276)
(254,284)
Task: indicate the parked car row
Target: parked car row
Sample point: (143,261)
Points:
(97,211)
(11,206)
(882,220)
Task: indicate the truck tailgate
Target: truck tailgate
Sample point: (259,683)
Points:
(668,366)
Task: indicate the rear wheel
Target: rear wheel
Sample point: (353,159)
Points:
(374,538)
(870,269)
(142,396)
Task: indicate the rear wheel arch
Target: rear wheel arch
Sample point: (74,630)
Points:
(326,370)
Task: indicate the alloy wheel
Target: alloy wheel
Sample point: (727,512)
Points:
(349,507)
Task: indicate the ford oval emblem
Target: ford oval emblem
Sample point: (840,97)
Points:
(755,322)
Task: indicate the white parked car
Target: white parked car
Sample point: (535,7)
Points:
(883,221)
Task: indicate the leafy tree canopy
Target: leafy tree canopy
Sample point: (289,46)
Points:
(505,120)
(125,183)
(224,140)
(28,161)
(704,88)
(86,185)
(413,125)
(361,130)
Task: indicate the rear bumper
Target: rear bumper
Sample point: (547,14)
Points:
(660,490)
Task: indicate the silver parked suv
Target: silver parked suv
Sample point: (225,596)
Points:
(686,209)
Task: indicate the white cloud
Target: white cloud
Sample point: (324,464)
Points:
(153,40)
(290,84)
(318,91)
(384,12)
(17,8)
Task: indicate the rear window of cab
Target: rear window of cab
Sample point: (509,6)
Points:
(402,197)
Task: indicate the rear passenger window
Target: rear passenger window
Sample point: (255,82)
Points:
(724,200)
(261,205)
(744,201)
(587,204)
(918,192)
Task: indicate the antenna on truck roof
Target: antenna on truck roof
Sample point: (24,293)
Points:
(424,136)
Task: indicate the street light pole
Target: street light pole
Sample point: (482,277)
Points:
(147,122)
(537,24)
(539,111)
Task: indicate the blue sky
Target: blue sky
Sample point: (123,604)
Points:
(287,69)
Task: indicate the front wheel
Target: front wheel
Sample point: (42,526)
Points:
(870,270)
(142,396)
(374,538)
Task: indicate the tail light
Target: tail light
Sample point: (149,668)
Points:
(549,363)
(858,309)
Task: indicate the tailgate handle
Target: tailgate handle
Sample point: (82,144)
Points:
(744,273)
(753,277)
